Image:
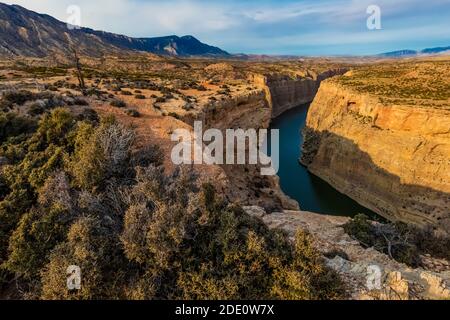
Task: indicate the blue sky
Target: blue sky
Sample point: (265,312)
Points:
(302,27)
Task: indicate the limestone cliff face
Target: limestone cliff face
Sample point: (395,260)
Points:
(246,110)
(285,92)
(392,159)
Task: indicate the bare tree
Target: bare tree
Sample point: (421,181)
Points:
(79,69)
(394,239)
(76,58)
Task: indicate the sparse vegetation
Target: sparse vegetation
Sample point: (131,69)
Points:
(133,113)
(174,115)
(422,84)
(78,192)
(118,103)
(126,93)
(402,242)
(79,189)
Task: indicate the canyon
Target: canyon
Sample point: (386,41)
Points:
(389,152)
(273,94)
(285,91)
(392,156)
(389,155)
(77,103)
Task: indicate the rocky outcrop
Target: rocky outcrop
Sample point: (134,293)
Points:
(245,110)
(359,267)
(285,92)
(393,159)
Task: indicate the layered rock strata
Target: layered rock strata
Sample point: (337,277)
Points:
(393,159)
(285,92)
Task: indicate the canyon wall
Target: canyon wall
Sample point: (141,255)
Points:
(285,92)
(249,109)
(254,109)
(274,94)
(246,185)
(393,159)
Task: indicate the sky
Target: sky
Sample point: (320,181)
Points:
(277,27)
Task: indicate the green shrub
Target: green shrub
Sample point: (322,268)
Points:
(118,103)
(174,115)
(37,233)
(12,125)
(99,154)
(36,109)
(54,127)
(362,229)
(216,251)
(78,193)
(91,246)
(132,113)
(18,97)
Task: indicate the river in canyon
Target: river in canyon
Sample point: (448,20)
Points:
(312,193)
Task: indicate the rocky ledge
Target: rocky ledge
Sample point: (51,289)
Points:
(354,263)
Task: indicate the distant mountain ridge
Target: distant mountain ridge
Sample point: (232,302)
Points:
(404,53)
(27,33)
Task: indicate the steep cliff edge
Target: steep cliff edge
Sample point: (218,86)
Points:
(286,91)
(391,155)
(253,108)
(354,263)
(244,110)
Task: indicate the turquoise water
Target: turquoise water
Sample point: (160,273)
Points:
(312,193)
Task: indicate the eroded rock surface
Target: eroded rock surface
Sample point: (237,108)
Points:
(287,91)
(356,265)
(391,157)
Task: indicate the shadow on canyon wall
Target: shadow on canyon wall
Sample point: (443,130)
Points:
(340,162)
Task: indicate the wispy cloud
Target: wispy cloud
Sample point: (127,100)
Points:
(269,26)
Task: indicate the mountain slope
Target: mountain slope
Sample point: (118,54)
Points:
(399,53)
(27,33)
(406,53)
(435,50)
